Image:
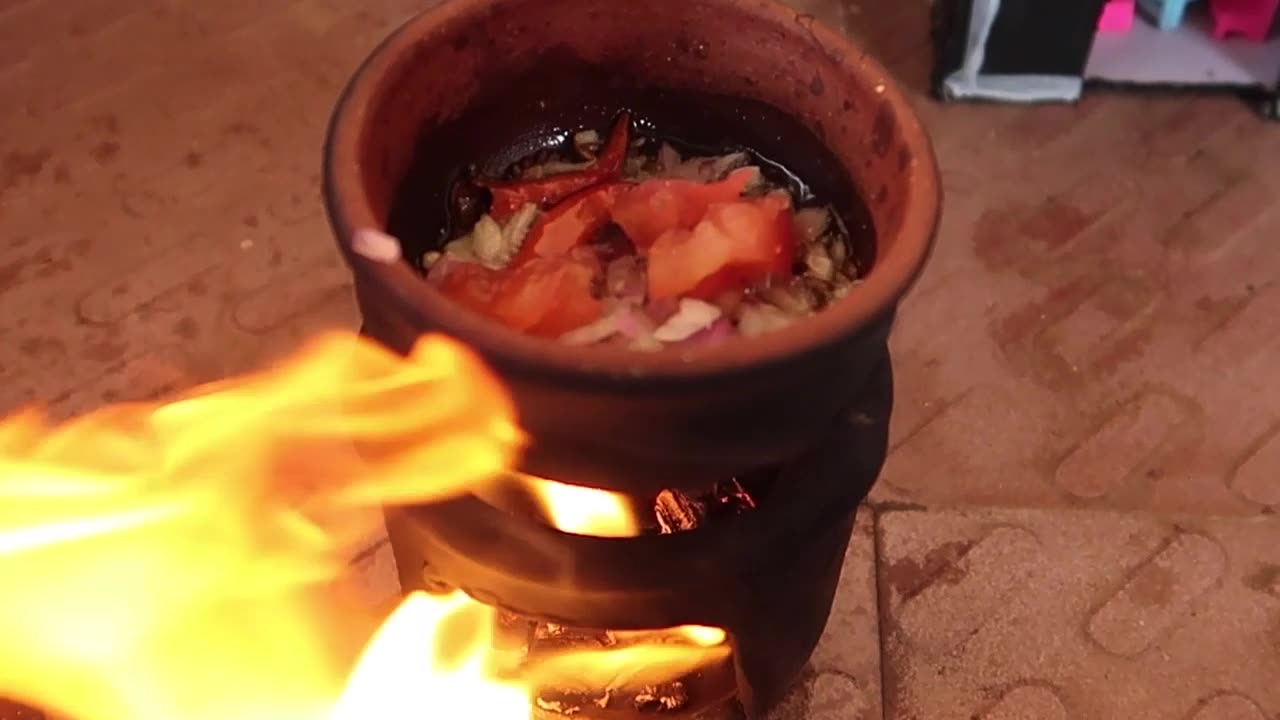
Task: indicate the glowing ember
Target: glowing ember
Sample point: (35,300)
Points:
(172,562)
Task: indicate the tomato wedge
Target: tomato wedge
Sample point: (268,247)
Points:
(656,206)
(548,296)
(508,197)
(571,223)
(468,283)
(736,244)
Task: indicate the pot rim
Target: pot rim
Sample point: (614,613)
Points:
(892,275)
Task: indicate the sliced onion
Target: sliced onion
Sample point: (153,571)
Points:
(587,143)
(707,169)
(635,323)
(592,333)
(554,167)
(668,158)
(625,278)
(757,320)
(626,321)
(795,298)
(516,230)
(839,250)
(719,331)
(443,266)
(723,165)
(660,310)
(693,317)
(461,249)
(810,224)
(819,263)
(487,242)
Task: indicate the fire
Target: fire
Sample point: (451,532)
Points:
(584,511)
(402,656)
(172,561)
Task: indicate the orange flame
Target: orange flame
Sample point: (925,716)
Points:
(583,511)
(169,562)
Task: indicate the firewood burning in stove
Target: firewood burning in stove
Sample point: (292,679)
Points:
(680,511)
(516,637)
(667,698)
(623,698)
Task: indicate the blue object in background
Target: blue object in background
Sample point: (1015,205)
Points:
(1167,14)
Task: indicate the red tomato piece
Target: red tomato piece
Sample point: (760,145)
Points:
(656,206)
(508,197)
(736,245)
(548,296)
(571,223)
(468,283)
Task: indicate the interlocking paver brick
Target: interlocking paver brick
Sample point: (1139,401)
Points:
(843,678)
(1079,614)
(1095,336)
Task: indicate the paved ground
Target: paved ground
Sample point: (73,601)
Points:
(1078,516)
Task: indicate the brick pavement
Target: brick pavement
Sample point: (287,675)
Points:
(1078,517)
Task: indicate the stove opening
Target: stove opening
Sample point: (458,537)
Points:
(696,685)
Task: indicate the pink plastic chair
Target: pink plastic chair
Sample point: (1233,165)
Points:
(1248,18)
(1117,16)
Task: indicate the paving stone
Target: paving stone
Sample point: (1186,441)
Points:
(842,681)
(1085,339)
(1071,614)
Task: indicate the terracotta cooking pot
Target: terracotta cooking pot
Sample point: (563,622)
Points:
(480,81)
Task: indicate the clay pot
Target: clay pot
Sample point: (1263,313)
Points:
(473,81)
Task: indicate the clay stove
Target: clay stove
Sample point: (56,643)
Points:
(786,432)
(758,556)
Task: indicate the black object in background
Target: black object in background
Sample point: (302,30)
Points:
(1042,37)
(1028,37)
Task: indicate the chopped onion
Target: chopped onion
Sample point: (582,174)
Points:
(839,251)
(660,310)
(756,320)
(441,268)
(626,321)
(635,168)
(635,324)
(719,331)
(554,167)
(625,278)
(708,169)
(693,317)
(462,249)
(795,298)
(645,343)
(592,333)
(516,230)
(668,158)
(587,143)
(810,224)
(723,165)
(487,242)
(820,264)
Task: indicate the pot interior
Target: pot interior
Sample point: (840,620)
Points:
(491,80)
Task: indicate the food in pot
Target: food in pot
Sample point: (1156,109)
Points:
(623,240)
